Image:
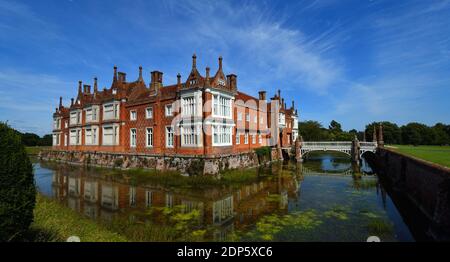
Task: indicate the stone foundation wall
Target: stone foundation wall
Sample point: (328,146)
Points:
(187,165)
(426,184)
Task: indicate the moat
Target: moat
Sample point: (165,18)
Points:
(324,198)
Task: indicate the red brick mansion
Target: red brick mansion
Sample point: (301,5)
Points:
(202,115)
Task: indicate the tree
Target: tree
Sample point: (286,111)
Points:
(312,131)
(30,139)
(417,134)
(17,189)
(335,127)
(441,135)
(46,140)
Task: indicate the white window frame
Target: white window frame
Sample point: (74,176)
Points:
(149,142)
(91,114)
(246,138)
(191,135)
(113,113)
(222,105)
(147,114)
(247,117)
(168,110)
(133,115)
(222,135)
(253,139)
(75,117)
(133,137)
(170,137)
(238,138)
(115,133)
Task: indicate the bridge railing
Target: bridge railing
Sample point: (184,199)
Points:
(327,144)
(368,144)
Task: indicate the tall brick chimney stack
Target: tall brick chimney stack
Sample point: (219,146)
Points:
(178,80)
(232,81)
(156,80)
(115,74)
(194,61)
(60,101)
(220,62)
(140,79)
(262,95)
(79,87)
(207,73)
(95,85)
(122,77)
(279,93)
(86,89)
(282,103)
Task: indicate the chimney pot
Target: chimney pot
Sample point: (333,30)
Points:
(220,62)
(60,101)
(207,72)
(79,86)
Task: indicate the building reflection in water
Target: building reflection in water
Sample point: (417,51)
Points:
(223,208)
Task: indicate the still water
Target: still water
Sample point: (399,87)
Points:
(324,198)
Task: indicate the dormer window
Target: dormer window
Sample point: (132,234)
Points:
(193,82)
(114,91)
(221,82)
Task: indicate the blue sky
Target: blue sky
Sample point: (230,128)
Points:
(355,61)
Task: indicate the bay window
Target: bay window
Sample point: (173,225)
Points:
(190,135)
(189,107)
(91,114)
(221,106)
(110,135)
(222,135)
(111,111)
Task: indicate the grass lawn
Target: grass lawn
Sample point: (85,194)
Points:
(54,222)
(34,150)
(436,154)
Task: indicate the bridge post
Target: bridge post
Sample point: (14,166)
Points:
(355,150)
(380,135)
(298,149)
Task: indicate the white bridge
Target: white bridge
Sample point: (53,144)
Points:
(344,147)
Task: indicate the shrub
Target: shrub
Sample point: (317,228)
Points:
(17,190)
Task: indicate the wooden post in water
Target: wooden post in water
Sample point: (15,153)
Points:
(355,150)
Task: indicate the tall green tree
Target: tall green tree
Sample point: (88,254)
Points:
(17,189)
(312,131)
